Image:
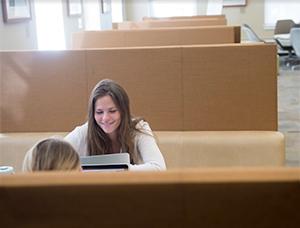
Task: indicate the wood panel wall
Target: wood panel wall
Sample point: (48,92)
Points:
(211,87)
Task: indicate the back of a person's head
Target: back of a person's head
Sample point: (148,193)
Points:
(51,154)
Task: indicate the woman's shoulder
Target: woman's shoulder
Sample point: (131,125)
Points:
(142,125)
(82,128)
(78,131)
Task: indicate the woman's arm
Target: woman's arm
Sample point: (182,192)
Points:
(77,138)
(146,146)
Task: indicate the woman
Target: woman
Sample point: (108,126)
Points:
(111,129)
(51,154)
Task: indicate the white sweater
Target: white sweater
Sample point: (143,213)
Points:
(144,144)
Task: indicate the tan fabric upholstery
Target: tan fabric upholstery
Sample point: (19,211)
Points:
(222,148)
(181,87)
(171,23)
(155,37)
(180,149)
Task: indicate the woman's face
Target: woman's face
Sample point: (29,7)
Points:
(107,115)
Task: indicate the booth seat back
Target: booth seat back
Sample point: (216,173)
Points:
(223,197)
(180,149)
(187,149)
(156,37)
(219,16)
(167,23)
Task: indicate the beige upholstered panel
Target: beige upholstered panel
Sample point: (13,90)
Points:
(182,88)
(13,146)
(172,23)
(223,85)
(42,90)
(156,37)
(180,149)
(152,78)
(1,91)
(222,16)
(221,148)
(98,39)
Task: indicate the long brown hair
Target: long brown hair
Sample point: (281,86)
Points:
(98,141)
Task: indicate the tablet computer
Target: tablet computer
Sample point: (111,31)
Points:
(105,162)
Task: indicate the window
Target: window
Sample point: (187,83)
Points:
(92,14)
(169,8)
(278,9)
(50,25)
(117,10)
(214,7)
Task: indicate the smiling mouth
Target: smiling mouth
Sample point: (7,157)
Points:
(107,124)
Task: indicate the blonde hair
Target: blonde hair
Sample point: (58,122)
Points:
(51,154)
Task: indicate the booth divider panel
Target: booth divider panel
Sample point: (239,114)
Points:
(152,78)
(43,90)
(232,87)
